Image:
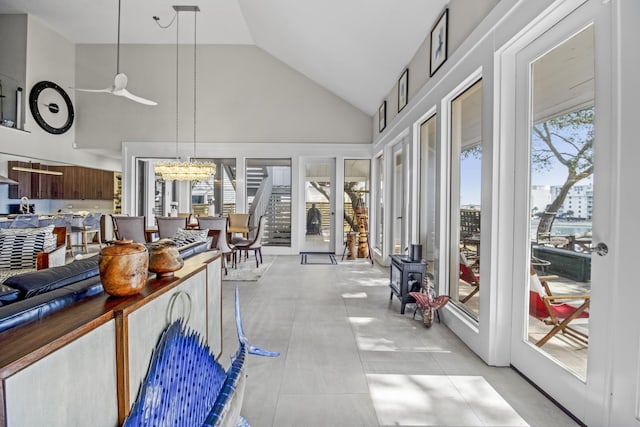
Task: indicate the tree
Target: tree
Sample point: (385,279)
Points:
(568,140)
(351,188)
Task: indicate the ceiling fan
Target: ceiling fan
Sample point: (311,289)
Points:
(119,87)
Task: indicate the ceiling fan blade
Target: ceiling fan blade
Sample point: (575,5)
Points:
(125,93)
(106,90)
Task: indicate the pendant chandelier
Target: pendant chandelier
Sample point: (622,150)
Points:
(190,169)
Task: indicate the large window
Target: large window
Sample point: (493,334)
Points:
(217,196)
(357,202)
(465,202)
(268,184)
(561,198)
(428,188)
(380,204)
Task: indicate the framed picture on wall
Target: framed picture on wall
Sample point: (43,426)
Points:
(403,90)
(439,34)
(382,116)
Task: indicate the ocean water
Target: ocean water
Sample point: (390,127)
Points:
(564,228)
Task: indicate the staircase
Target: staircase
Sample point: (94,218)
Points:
(278,214)
(277,210)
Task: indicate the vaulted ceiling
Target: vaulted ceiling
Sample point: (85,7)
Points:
(354,48)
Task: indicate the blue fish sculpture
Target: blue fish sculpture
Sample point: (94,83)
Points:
(186,386)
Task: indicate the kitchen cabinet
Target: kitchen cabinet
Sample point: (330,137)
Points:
(75,183)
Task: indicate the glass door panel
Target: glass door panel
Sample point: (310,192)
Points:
(428,188)
(268,191)
(356,204)
(380,204)
(466,190)
(561,199)
(398,202)
(319,208)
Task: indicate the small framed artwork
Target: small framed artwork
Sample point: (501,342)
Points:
(382,116)
(439,34)
(403,90)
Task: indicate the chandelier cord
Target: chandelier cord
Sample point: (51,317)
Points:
(177,75)
(118,46)
(195,45)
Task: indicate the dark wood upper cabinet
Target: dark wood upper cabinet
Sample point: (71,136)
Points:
(75,183)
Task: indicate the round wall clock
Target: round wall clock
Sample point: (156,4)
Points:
(51,107)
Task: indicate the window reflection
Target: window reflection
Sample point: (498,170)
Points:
(466,190)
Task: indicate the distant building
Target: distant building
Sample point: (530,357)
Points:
(577,204)
(579,200)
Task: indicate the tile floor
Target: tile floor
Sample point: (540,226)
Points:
(348,358)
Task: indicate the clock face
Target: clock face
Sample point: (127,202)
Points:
(51,107)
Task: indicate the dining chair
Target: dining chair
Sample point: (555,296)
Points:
(90,226)
(169,225)
(217,226)
(254,245)
(131,228)
(238,224)
(65,220)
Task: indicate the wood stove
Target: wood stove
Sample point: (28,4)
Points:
(404,274)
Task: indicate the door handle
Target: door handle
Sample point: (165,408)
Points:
(601,249)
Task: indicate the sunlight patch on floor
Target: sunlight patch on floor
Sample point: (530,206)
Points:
(439,400)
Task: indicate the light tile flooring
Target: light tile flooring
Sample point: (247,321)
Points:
(348,358)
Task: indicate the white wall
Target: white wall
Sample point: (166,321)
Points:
(49,57)
(243,95)
(464,16)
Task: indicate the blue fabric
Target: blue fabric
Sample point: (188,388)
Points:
(41,281)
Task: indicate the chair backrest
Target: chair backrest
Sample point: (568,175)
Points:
(216,225)
(63,220)
(131,228)
(25,221)
(92,220)
(259,233)
(239,222)
(537,307)
(466,273)
(169,225)
(115,225)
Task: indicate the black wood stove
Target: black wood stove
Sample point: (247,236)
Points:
(405,274)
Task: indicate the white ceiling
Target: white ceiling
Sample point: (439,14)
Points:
(356,49)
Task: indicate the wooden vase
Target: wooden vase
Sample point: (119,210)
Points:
(164,258)
(124,268)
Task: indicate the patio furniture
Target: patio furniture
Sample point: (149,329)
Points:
(469,277)
(169,225)
(556,310)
